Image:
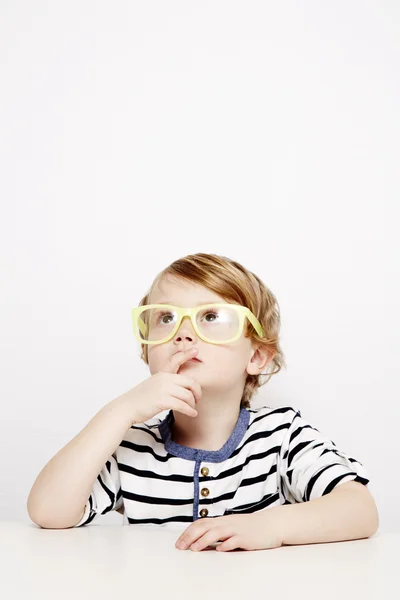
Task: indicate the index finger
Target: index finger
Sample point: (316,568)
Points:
(177,359)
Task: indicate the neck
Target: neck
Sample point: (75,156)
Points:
(211,428)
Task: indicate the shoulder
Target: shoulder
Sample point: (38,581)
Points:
(267,417)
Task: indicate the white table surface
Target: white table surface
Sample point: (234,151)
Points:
(120,562)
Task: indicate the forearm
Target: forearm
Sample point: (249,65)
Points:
(61,490)
(343,514)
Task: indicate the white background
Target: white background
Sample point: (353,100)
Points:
(134,133)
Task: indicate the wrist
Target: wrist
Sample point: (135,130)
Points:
(121,407)
(276,520)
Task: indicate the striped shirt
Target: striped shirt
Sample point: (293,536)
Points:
(272,457)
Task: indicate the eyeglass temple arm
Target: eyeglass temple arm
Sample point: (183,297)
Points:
(255,323)
(142,325)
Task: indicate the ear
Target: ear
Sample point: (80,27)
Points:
(258,361)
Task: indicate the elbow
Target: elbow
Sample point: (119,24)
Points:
(364,507)
(50,521)
(374,520)
(47,518)
(51,524)
(371,514)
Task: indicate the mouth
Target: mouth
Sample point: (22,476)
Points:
(194,360)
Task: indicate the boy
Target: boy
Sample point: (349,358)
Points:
(249,478)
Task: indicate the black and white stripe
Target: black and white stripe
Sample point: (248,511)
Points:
(273,457)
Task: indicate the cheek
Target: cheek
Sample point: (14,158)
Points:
(224,360)
(230,364)
(156,357)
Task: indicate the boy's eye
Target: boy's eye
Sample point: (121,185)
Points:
(212,314)
(164,317)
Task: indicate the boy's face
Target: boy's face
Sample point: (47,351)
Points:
(222,366)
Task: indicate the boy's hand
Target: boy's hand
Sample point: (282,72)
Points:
(164,390)
(255,531)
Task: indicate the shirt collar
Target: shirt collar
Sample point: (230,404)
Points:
(197,454)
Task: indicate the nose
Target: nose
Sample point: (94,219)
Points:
(185,330)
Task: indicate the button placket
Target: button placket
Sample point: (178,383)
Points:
(204,491)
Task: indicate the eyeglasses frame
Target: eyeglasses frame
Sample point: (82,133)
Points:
(191,312)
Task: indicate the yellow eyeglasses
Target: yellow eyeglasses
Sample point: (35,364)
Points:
(217,323)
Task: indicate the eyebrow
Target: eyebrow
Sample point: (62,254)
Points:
(198,303)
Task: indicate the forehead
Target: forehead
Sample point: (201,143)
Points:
(182,293)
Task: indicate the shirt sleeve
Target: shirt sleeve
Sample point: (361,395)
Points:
(310,464)
(106,493)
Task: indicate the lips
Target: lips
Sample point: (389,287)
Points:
(195,360)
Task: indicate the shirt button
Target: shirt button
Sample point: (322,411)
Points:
(205,471)
(205,492)
(203,512)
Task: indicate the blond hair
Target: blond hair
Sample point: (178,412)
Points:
(234,283)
